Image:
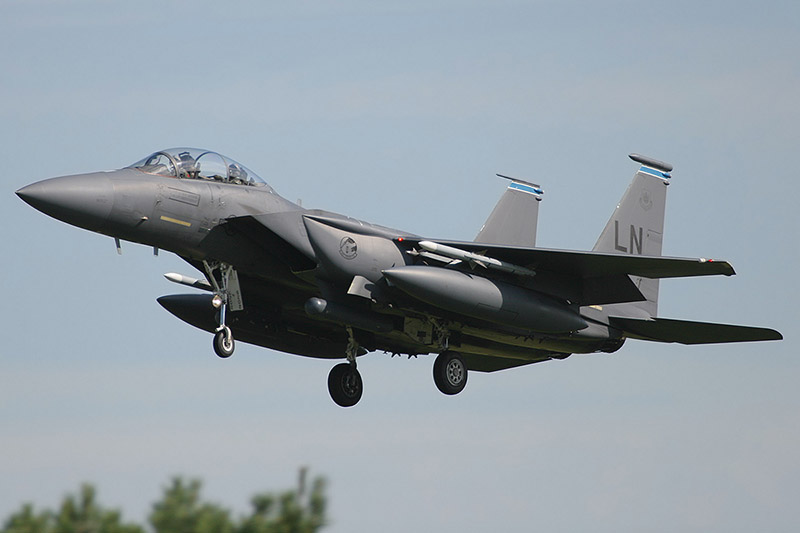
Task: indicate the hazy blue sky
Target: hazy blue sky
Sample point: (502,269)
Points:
(401,115)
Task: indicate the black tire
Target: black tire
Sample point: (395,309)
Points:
(345,385)
(450,372)
(223,343)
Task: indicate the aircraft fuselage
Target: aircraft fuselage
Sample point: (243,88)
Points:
(191,218)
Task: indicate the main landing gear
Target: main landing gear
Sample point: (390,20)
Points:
(449,368)
(346,386)
(344,381)
(450,372)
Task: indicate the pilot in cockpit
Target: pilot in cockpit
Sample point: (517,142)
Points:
(236,174)
(187,165)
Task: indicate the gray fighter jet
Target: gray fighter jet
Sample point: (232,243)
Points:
(320,284)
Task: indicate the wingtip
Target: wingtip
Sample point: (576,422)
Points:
(725,268)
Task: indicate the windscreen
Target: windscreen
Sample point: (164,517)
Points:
(194,163)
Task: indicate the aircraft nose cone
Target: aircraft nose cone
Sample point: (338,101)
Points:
(84,200)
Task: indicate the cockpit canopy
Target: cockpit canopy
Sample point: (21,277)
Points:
(194,163)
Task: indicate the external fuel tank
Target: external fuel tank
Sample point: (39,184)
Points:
(486,299)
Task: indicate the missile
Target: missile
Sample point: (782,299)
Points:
(470,257)
(180,279)
(486,299)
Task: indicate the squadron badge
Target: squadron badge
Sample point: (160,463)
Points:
(348,248)
(646,200)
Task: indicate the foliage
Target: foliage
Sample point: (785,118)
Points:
(181,510)
(77,514)
(291,512)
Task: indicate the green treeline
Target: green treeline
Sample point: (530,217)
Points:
(180,510)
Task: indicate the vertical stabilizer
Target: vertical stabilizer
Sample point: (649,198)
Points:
(637,227)
(513,220)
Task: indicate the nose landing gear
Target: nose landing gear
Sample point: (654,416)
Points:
(223,342)
(227,294)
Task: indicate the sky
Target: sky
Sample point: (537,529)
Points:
(401,115)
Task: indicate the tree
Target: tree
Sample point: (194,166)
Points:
(27,521)
(82,514)
(181,510)
(78,514)
(291,512)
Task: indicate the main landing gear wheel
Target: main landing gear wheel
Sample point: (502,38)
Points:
(345,385)
(450,372)
(223,342)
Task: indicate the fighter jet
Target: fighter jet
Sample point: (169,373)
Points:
(320,284)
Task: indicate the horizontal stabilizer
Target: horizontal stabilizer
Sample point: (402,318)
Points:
(688,332)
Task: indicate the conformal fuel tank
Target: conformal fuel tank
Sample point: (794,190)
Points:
(485,299)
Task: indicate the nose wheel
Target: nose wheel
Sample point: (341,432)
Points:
(223,342)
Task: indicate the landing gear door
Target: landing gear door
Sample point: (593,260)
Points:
(235,302)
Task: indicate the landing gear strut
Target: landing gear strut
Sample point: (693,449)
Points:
(226,295)
(450,372)
(344,381)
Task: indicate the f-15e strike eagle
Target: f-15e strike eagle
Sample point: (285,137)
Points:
(320,284)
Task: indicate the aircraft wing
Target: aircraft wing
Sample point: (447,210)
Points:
(584,278)
(593,264)
(589,264)
(688,332)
